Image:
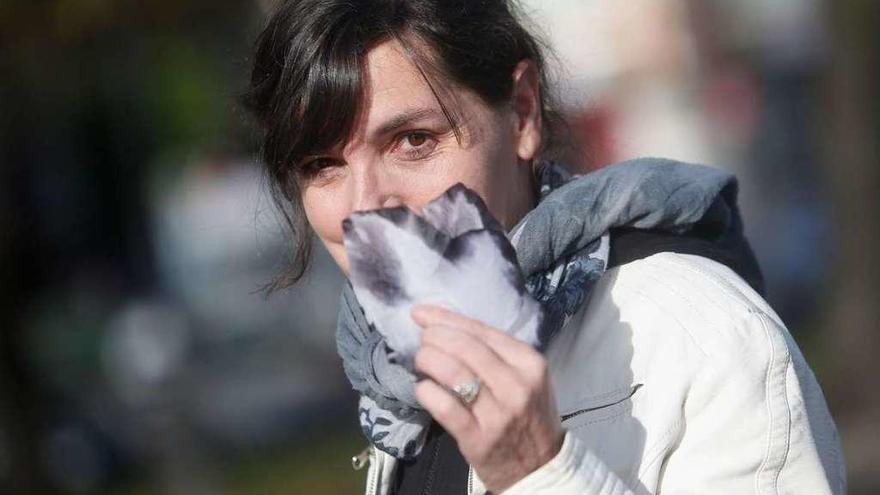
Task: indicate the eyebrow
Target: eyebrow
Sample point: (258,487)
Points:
(406,117)
(402,119)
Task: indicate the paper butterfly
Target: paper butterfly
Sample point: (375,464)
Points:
(453,254)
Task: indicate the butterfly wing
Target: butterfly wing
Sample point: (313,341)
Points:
(398,258)
(459,210)
(391,251)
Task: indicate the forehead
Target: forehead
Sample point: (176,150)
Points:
(391,73)
(393,85)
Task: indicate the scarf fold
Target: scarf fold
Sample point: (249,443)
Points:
(562,248)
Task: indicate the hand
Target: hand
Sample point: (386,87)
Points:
(512,428)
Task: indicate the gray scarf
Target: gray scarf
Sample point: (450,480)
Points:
(562,248)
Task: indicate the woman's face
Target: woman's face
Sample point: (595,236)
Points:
(403,150)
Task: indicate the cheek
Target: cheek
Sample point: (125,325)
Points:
(490,167)
(325,215)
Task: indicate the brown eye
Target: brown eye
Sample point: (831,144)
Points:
(321,163)
(414,145)
(314,167)
(416,139)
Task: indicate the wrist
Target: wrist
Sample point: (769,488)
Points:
(554,473)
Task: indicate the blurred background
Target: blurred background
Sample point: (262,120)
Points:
(136,355)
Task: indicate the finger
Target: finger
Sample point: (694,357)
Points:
(441,367)
(511,350)
(476,356)
(448,371)
(447,410)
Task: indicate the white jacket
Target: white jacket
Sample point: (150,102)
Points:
(676,377)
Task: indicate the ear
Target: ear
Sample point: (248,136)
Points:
(526,100)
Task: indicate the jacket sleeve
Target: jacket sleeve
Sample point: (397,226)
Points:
(574,470)
(755,422)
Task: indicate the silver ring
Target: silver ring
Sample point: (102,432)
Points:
(467,392)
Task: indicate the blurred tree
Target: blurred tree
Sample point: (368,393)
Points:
(93,92)
(20,399)
(852,332)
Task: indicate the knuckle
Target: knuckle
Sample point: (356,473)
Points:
(480,354)
(537,362)
(482,329)
(469,352)
(536,370)
(472,431)
(520,402)
(495,425)
(422,358)
(426,359)
(427,332)
(467,341)
(540,365)
(446,409)
(479,452)
(446,338)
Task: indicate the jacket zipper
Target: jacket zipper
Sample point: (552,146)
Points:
(363,458)
(360,460)
(603,406)
(373,481)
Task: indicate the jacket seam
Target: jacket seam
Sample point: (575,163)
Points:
(716,280)
(656,449)
(661,308)
(733,293)
(778,408)
(692,305)
(655,272)
(773,420)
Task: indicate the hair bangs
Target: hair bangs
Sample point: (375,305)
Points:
(332,98)
(315,102)
(309,82)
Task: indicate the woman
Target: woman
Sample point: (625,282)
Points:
(662,371)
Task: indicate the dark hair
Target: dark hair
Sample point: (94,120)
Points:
(306,84)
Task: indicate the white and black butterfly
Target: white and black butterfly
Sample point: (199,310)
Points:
(454,254)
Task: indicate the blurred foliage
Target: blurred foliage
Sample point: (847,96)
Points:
(173,66)
(323,467)
(104,99)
